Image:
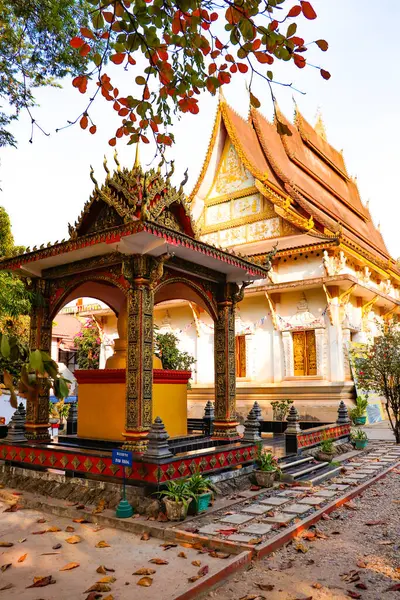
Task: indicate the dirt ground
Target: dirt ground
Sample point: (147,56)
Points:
(356,554)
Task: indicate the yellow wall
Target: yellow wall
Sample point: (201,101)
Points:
(101,412)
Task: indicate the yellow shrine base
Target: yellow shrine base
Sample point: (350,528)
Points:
(101,402)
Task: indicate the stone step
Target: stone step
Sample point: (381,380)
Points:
(295,463)
(316,466)
(328,474)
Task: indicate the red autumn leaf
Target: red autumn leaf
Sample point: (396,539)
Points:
(76,42)
(83,122)
(112,142)
(117,59)
(218,44)
(299,61)
(393,588)
(233,68)
(203,571)
(213,16)
(308,10)
(264,58)
(93,129)
(361,586)
(294,11)
(274,24)
(87,33)
(108,16)
(355,595)
(42,582)
(242,67)
(84,51)
(322,45)
(144,139)
(325,74)
(297,41)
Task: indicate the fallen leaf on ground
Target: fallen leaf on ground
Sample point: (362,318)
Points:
(162,517)
(372,523)
(41,521)
(317,586)
(57,546)
(6,544)
(100,507)
(266,587)
(319,534)
(168,545)
(353,594)
(325,517)
(22,540)
(7,587)
(144,571)
(186,545)
(335,532)
(158,561)
(255,488)
(216,554)
(255,541)
(93,596)
(53,530)
(301,548)
(308,535)
(145,536)
(227,531)
(109,597)
(101,569)
(182,555)
(196,563)
(361,564)
(39,532)
(252,597)
(41,582)
(193,578)
(102,544)
(80,521)
(145,582)
(393,588)
(350,577)
(74,539)
(80,506)
(107,579)
(5,567)
(69,529)
(50,553)
(22,558)
(70,566)
(203,571)
(99,587)
(385,543)
(12,508)
(96,529)
(350,506)
(361,586)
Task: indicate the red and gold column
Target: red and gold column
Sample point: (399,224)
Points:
(225,423)
(37,410)
(139,363)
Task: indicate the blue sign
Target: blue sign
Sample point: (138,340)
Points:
(122,458)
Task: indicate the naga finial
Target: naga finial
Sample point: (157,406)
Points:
(92,177)
(107,170)
(184,181)
(116,160)
(172,171)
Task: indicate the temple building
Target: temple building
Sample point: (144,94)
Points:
(277,185)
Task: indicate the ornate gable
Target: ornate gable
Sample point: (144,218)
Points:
(232,175)
(134,195)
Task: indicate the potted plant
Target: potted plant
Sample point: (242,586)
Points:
(358,413)
(63,412)
(327,451)
(267,468)
(359,438)
(176,498)
(201,491)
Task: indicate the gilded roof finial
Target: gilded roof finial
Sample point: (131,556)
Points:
(93,178)
(320,125)
(116,160)
(107,170)
(221,95)
(137,157)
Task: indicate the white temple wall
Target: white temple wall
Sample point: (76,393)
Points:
(295,270)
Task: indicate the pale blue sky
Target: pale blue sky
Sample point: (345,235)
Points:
(45,184)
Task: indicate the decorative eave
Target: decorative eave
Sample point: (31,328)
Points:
(287,252)
(25,262)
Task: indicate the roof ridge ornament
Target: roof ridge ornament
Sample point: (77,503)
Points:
(116,160)
(319,127)
(137,164)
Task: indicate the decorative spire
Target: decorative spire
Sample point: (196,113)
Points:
(343,415)
(320,125)
(137,157)
(257,411)
(293,419)
(158,442)
(116,160)
(107,170)
(251,429)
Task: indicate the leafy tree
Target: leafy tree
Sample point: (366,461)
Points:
(177,49)
(34,52)
(166,349)
(378,371)
(87,344)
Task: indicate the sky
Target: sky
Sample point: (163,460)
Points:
(44,185)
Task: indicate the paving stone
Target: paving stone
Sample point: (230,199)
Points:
(274,501)
(386,460)
(337,486)
(353,464)
(238,537)
(371,468)
(327,494)
(278,518)
(312,500)
(364,471)
(236,519)
(292,493)
(211,529)
(348,481)
(257,529)
(257,509)
(295,509)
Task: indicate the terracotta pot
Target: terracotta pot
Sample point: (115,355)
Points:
(265,478)
(176,511)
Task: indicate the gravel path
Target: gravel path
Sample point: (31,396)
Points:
(358,546)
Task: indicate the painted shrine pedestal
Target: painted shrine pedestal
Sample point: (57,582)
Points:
(102,402)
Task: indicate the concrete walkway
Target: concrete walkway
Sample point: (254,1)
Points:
(379,431)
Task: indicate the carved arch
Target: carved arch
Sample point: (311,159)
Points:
(200,296)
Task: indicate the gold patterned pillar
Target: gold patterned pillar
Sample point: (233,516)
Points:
(139,364)
(37,411)
(225,423)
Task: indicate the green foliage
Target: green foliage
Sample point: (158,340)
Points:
(59,410)
(35,51)
(360,409)
(177,491)
(280,409)
(197,485)
(166,349)
(265,460)
(358,434)
(378,371)
(87,344)
(327,445)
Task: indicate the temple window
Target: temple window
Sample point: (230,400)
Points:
(240,356)
(304,353)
